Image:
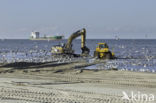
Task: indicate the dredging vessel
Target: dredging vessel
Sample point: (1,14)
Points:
(36,36)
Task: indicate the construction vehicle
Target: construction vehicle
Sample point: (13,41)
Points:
(66,49)
(102,52)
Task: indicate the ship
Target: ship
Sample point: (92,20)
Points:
(36,36)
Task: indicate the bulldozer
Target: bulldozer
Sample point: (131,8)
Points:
(66,48)
(102,52)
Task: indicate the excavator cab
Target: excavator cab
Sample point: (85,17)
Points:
(57,49)
(66,49)
(61,49)
(102,52)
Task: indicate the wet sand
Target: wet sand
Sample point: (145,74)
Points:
(52,83)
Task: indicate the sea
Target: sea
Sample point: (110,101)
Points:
(132,54)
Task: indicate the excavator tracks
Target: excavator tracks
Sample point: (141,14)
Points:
(70,87)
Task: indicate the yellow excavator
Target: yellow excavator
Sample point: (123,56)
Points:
(102,52)
(66,49)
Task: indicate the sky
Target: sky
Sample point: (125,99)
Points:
(103,19)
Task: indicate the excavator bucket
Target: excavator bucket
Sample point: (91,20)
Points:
(85,51)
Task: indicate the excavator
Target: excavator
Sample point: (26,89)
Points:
(66,49)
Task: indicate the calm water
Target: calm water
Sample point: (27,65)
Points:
(135,55)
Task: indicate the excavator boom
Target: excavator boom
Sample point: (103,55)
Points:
(81,33)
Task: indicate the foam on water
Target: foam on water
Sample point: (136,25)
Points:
(134,55)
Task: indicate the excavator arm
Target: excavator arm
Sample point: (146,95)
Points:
(84,48)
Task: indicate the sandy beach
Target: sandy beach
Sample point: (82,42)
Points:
(64,84)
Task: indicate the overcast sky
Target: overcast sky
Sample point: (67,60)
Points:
(102,18)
